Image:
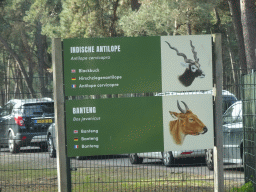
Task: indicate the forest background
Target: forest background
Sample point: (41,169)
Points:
(28,26)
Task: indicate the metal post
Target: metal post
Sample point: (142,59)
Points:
(218,148)
(63,163)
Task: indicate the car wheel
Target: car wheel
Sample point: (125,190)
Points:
(13,147)
(168,158)
(134,159)
(209,159)
(51,147)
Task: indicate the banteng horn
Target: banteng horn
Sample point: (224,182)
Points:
(182,110)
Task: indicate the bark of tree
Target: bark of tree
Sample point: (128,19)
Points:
(21,66)
(135,5)
(233,64)
(249,31)
(28,55)
(217,24)
(7,93)
(4,97)
(189,30)
(40,56)
(114,19)
(234,6)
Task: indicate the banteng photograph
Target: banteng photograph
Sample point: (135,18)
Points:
(188,122)
(186,63)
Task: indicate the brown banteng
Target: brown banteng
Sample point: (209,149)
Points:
(193,68)
(186,123)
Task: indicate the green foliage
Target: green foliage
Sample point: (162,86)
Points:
(247,187)
(164,17)
(82,19)
(22,20)
(153,18)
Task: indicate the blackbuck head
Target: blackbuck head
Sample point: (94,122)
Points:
(185,123)
(193,68)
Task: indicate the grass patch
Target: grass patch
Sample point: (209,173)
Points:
(24,178)
(139,179)
(14,177)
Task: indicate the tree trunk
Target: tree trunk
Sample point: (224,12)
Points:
(189,31)
(232,63)
(21,66)
(135,5)
(234,6)
(7,93)
(40,56)
(5,81)
(217,24)
(114,19)
(29,56)
(249,31)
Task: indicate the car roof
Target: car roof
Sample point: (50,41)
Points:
(225,93)
(236,103)
(20,102)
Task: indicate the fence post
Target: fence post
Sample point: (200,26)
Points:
(63,163)
(218,148)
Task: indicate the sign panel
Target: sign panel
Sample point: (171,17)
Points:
(114,126)
(190,131)
(186,63)
(138,124)
(112,65)
(137,65)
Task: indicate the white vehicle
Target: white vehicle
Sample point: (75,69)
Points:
(167,157)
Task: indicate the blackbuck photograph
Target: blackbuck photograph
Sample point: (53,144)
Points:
(186,63)
(192,67)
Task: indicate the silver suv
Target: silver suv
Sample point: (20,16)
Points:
(232,137)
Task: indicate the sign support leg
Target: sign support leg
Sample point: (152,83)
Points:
(218,148)
(63,162)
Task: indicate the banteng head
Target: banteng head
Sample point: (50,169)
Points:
(193,68)
(185,123)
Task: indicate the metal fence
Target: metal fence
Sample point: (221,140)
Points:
(32,168)
(248,97)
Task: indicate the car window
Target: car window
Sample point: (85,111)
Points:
(16,111)
(233,114)
(7,109)
(227,101)
(38,109)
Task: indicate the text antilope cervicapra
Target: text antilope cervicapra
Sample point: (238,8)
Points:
(186,123)
(193,68)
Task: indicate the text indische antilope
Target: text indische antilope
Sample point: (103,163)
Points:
(193,68)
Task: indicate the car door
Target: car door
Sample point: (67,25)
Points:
(5,117)
(232,133)
(1,126)
(151,155)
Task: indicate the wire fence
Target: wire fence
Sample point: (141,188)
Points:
(28,163)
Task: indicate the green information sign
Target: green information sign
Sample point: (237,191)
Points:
(138,124)
(112,65)
(114,126)
(135,65)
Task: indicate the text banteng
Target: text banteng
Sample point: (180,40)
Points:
(82,110)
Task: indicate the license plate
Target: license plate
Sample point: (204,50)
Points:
(43,121)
